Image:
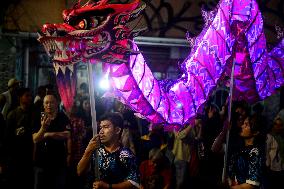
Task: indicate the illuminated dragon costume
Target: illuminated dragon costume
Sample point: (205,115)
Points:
(98,31)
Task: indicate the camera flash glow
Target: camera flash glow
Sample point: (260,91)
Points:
(104,83)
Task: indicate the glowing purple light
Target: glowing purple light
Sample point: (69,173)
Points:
(176,103)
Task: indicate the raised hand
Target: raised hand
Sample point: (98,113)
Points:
(93,144)
(45,121)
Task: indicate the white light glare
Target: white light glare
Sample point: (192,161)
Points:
(179,105)
(104,83)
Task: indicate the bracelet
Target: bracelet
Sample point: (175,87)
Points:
(110,186)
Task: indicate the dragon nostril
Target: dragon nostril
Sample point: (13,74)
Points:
(48,29)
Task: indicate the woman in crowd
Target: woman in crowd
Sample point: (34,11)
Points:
(246,164)
(275,153)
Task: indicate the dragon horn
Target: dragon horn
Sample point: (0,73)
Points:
(125,17)
(135,33)
(86,4)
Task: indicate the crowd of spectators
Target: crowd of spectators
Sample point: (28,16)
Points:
(45,146)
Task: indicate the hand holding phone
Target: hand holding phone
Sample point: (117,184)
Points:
(45,120)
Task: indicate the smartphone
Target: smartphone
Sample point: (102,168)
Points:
(42,114)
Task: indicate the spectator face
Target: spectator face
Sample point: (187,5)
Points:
(120,107)
(278,126)
(50,104)
(108,132)
(241,111)
(246,130)
(86,105)
(26,98)
(240,121)
(81,92)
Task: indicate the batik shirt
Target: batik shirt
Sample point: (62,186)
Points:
(118,166)
(246,165)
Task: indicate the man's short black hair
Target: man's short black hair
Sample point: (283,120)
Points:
(114,117)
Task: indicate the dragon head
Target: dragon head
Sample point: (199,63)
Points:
(93,31)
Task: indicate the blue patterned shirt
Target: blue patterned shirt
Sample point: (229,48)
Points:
(118,166)
(246,166)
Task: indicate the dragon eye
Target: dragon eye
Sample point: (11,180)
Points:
(83,24)
(94,22)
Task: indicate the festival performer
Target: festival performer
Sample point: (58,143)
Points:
(117,164)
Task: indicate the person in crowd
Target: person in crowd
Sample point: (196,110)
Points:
(198,153)
(156,173)
(211,164)
(127,139)
(41,92)
(19,143)
(116,164)
(38,100)
(258,110)
(53,146)
(159,138)
(182,147)
(78,136)
(3,182)
(83,90)
(50,89)
(240,111)
(84,113)
(245,167)
(150,139)
(9,99)
(82,93)
(2,131)
(130,134)
(275,153)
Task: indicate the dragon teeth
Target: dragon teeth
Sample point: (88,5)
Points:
(47,33)
(46,50)
(64,55)
(59,45)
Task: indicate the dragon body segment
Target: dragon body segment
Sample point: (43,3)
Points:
(99,32)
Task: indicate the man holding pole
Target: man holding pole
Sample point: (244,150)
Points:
(117,165)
